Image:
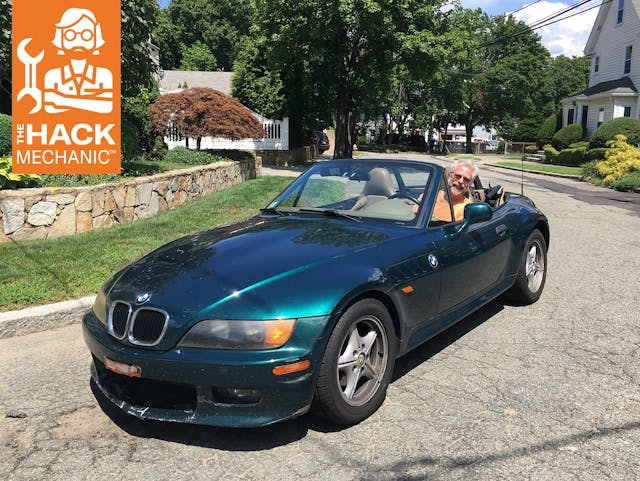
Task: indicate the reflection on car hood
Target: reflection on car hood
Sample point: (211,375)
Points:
(200,270)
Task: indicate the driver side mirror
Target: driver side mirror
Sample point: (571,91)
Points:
(474,213)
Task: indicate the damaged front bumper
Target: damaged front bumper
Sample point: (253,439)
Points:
(199,386)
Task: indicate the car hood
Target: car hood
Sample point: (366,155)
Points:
(249,269)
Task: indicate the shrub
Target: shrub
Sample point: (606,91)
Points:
(9,180)
(182,155)
(130,140)
(579,145)
(590,172)
(550,154)
(571,156)
(594,154)
(566,136)
(628,182)
(626,126)
(5,135)
(530,149)
(620,159)
(547,129)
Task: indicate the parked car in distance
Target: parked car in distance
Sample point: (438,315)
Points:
(321,140)
(309,303)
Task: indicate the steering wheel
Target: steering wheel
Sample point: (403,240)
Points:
(398,195)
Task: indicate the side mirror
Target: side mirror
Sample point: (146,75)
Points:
(474,213)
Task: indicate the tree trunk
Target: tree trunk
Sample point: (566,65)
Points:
(469,130)
(345,123)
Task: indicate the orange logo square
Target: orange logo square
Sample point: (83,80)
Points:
(66,87)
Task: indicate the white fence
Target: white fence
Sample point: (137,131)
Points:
(276,138)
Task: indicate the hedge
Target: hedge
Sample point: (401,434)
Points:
(626,126)
(566,136)
(571,156)
(547,129)
(5,135)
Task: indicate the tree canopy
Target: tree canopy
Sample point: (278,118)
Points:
(219,26)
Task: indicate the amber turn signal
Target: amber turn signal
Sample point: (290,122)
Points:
(289,368)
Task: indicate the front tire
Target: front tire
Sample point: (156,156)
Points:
(532,272)
(357,364)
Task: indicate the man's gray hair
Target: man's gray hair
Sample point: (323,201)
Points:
(470,163)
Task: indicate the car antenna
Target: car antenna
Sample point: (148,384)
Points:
(522,175)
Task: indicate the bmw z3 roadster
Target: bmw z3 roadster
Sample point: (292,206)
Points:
(308,304)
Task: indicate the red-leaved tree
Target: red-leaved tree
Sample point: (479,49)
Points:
(204,112)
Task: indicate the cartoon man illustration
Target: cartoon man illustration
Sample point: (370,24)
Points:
(78,85)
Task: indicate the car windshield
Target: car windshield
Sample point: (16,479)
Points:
(375,191)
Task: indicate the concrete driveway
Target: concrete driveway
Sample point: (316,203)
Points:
(545,392)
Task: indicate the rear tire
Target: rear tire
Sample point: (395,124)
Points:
(357,364)
(532,272)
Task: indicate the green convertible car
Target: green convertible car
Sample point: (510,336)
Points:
(309,303)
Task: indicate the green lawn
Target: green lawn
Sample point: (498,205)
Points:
(43,271)
(556,169)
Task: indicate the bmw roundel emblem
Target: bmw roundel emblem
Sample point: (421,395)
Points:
(142,298)
(433,261)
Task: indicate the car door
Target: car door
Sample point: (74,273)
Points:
(471,261)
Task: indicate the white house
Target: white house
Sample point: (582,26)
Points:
(614,48)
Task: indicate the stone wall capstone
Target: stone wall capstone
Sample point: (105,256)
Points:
(46,213)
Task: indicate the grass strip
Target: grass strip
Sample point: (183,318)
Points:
(555,169)
(42,271)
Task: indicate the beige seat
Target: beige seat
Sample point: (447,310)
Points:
(379,187)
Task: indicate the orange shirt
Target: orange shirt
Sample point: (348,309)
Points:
(442,212)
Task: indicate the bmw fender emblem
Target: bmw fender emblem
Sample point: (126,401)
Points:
(142,298)
(433,261)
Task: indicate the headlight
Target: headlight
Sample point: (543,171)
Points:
(218,334)
(100,307)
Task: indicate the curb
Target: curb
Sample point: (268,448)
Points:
(548,174)
(43,318)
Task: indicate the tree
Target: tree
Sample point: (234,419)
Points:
(197,57)
(5,56)
(254,83)
(334,57)
(218,25)
(497,71)
(137,20)
(203,112)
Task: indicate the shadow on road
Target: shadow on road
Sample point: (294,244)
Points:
(268,437)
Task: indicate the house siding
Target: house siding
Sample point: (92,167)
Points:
(612,41)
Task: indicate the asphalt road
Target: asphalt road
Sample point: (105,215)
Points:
(545,392)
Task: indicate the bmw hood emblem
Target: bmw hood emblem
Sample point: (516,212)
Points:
(433,261)
(142,298)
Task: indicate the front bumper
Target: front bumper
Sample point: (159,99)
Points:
(186,385)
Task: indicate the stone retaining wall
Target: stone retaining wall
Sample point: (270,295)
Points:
(45,213)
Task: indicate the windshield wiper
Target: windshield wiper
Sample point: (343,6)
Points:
(333,213)
(272,210)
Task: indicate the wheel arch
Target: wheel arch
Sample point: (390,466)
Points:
(543,227)
(380,296)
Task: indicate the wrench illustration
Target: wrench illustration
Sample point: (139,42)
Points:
(30,75)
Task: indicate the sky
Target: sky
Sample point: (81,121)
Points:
(567,37)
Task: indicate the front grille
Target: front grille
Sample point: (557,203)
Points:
(147,327)
(119,318)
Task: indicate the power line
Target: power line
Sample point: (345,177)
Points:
(550,20)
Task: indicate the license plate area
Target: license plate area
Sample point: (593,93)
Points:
(129,370)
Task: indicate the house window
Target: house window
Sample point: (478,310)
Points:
(627,112)
(620,10)
(600,116)
(596,64)
(570,116)
(627,59)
